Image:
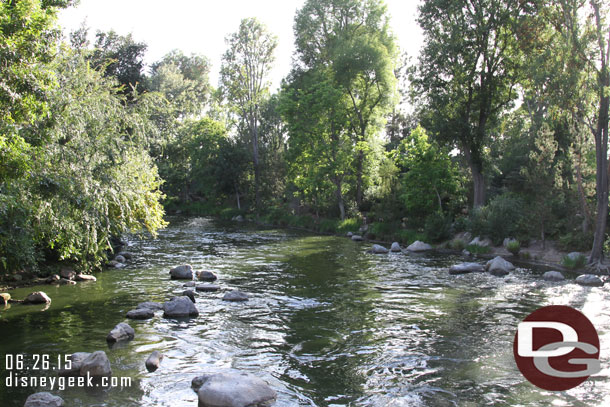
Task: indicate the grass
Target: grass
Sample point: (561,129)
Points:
(574,263)
(476,249)
(514,246)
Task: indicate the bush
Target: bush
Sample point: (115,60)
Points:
(574,263)
(328,226)
(457,244)
(384,230)
(514,246)
(408,236)
(476,249)
(230,213)
(348,225)
(437,227)
(502,217)
(576,241)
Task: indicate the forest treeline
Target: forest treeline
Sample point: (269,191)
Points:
(499,127)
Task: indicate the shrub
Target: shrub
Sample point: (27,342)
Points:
(348,225)
(328,226)
(476,249)
(408,236)
(384,230)
(437,227)
(502,217)
(574,263)
(514,246)
(576,241)
(457,244)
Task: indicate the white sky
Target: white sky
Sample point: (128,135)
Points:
(200,26)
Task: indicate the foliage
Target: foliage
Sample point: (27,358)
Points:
(457,244)
(437,227)
(502,217)
(477,249)
(514,246)
(574,263)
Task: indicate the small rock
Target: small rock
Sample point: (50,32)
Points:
(206,276)
(378,249)
(553,276)
(121,332)
(357,238)
(589,280)
(418,246)
(190,294)
(37,297)
(85,277)
(43,399)
(77,360)
(96,365)
(466,253)
(464,268)
(207,287)
(235,296)
(349,234)
(67,273)
(4,298)
(126,255)
(190,284)
(179,307)
(154,361)
(154,306)
(499,267)
(235,389)
(52,279)
(395,247)
(141,313)
(184,272)
(115,264)
(477,241)
(119,258)
(65,281)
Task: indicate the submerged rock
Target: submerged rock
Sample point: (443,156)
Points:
(589,280)
(76,362)
(184,272)
(43,399)
(141,313)
(206,276)
(395,247)
(207,287)
(37,297)
(179,307)
(378,249)
(553,276)
(499,267)
(96,365)
(121,332)
(234,389)
(154,361)
(235,296)
(418,246)
(464,268)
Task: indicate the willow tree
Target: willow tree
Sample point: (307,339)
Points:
(245,67)
(353,39)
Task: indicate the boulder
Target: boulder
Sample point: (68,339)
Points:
(464,268)
(179,307)
(120,258)
(85,277)
(553,276)
(67,273)
(206,276)
(4,298)
(481,242)
(499,267)
(207,287)
(76,362)
(153,306)
(141,313)
(65,281)
(357,238)
(190,294)
(37,297)
(43,399)
(96,365)
(154,361)
(378,249)
(121,332)
(126,255)
(418,246)
(184,272)
(113,264)
(52,279)
(395,247)
(589,280)
(235,296)
(234,389)
(350,234)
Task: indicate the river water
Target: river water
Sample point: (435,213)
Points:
(327,324)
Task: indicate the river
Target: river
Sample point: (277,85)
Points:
(327,324)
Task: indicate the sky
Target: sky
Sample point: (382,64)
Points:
(200,26)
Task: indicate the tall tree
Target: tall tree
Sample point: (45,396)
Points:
(245,67)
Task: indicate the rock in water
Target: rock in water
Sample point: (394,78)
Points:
(154,306)
(43,399)
(179,307)
(357,238)
(76,362)
(67,273)
(553,276)
(37,297)
(96,365)
(190,294)
(84,277)
(120,259)
(141,313)
(234,389)
(395,247)
(207,287)
(154,361)
(235,296)
(4,298)
(418,246)
(378,249)
(184,272)
(499,267)
(121,332)
(466,268)
(206,276)
(589,280)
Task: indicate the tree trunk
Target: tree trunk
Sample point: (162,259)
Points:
(479,186)
(340,202)
(359,169)
(255,161)
(237,197)
(581,197)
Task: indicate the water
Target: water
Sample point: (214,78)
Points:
(327,324)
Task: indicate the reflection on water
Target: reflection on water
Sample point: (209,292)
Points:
(327,324)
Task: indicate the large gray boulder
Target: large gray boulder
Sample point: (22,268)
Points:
(154,306)
(121,332)
(499,267)
(154,361)
(233,389)
(76,362)
(477,241)
(378,249)
(179,307)
(43,399)
(395,247)
(96,365)
(206,276)
(357,238)
(553,276)
(235,296)
(464,268)
(418,246)
(184,272)
(589,280)
(37,297)
(206,288)
(141,313)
